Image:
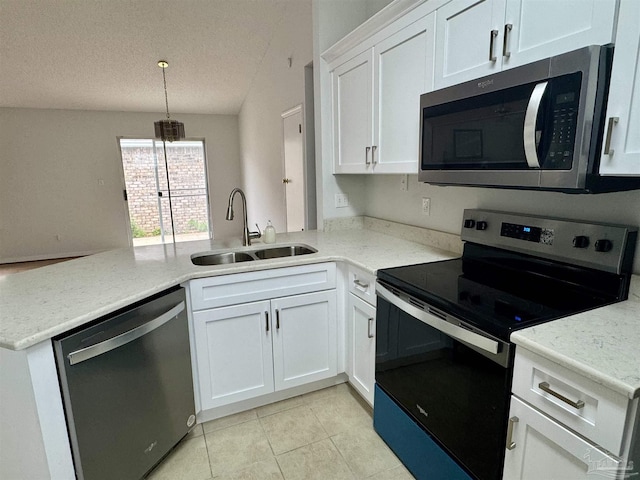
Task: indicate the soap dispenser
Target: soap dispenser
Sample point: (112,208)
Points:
(269,235)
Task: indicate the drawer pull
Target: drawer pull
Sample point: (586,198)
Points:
(370,324)
(510,443)
(544,386)
(360,284)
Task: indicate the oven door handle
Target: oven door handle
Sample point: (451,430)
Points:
(454,331)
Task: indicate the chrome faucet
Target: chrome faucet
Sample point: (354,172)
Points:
(246,234)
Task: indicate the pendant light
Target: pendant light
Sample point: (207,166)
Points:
(168,130)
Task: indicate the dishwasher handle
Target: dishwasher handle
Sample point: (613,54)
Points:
(124,338)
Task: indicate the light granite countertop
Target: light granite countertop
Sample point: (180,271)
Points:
(39,304)
(601,344)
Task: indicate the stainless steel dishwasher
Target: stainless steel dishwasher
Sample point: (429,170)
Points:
(127,388)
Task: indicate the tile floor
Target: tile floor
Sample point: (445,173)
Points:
(323,435)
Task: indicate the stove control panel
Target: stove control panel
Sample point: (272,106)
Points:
(602,246)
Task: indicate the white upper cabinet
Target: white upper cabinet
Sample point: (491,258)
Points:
(376,98)
(477,38)
(352,114)
(403,70)
(621,146)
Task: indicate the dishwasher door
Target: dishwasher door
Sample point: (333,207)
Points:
(127,388)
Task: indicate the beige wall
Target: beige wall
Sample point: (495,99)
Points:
(275,89)
(50,166)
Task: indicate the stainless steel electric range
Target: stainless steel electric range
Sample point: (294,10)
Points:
(444,362)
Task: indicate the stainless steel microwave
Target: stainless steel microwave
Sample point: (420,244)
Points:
(538,126)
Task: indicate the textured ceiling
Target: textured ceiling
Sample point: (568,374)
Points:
(102,54)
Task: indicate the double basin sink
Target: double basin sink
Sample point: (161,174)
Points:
(224,258)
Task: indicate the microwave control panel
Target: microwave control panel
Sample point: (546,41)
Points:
(563,101)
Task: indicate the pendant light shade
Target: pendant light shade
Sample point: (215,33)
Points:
(168,130)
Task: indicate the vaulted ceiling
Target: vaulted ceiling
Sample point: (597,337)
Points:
(103,54)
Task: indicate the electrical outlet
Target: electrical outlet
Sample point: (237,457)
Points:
(404,182)
(341,200)
(426,206)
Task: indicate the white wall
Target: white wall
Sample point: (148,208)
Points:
(384,199)
(275,89)
(50,165)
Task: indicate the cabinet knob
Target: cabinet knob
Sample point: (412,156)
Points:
(286,180)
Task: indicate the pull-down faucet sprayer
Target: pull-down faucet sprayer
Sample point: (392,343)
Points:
(246,234)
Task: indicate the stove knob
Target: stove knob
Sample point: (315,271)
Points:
(481,225)
(603,245)
(469,223)
(580,241)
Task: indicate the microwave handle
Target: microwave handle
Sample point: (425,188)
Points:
(530,117)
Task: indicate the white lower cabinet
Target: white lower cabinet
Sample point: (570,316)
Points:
(362,348)
(540,448)
(244,350)
(361,332)
(563,425)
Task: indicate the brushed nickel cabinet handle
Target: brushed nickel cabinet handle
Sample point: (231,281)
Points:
(510,443)
(366,155)
(373,154)
(360,284)
(607,144)
(544,386)
(370,324)
(492,40)
(507,29)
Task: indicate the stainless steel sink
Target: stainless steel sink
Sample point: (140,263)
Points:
(224,258)
(221,258)
(284,251)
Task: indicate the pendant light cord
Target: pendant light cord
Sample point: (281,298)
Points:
(166,99)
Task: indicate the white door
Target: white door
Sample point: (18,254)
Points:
(542,448)
(352,122)
(468,35)
(234,353)
(403,70)
(362,318)
(544,28)
(304,338)
(623,155)
(294,178)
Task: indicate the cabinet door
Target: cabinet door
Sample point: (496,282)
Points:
(546,449)
(352,98)
(304,338)
(362,346)
(403,70)
(544,28)
(623,155)
(234,353)
(464,37)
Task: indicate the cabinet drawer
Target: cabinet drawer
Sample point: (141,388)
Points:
(362,284)
(263,285)
(586,407)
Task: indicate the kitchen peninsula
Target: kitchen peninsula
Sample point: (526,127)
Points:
(38,305)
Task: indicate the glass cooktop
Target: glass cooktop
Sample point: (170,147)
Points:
(500,292)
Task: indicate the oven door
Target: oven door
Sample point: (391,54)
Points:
(453,381)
